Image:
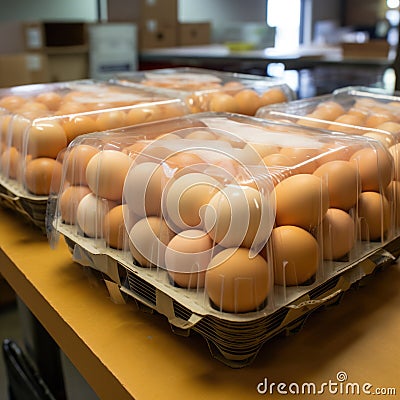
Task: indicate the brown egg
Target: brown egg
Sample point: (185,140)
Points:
(114,230)
(106,172)
(187,257)
(392,193)
(333,152)
(148,240)
(46,139)
(19,126)
(201,135)
(185,196)
(233,87)
(223,102)
(183,159)
(376,119)
(76,162)
(248,101)
(71,107)
(143,189)
(262,149)
(329,110)
(386,138)
(347,123)
(239,216)
(304,159)
(4,128)
(395,153)
(43,175)
(10,163)
(390,126)
(32,106)
(338,234)
(375,167)
(111,120)
(236,282)
(295,255)
(78,125)
(313,121)
(301,200)
(52,100)
(12,102)
(69,201)
(373,216)
(343,183)
(140,114)
(278,160)
(273,96)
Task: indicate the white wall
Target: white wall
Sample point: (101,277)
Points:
(219,11)
(29,10)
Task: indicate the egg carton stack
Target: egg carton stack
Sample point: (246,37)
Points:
(205,90)
(203,219)
(39,121)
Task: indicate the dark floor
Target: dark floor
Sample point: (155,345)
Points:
(10,327)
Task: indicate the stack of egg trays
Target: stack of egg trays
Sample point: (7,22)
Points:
(206,90)
(39,121)
(234,153)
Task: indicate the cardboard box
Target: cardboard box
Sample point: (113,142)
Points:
(112,49)
(138,11)
(192,34)
(161,10)
(154,34)
(23,68)
(68,66)
(370,49)
(11,37)
(41,35)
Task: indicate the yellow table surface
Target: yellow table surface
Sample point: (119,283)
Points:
(126,353)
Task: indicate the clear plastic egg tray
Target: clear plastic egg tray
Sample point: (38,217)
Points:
(206,90)
(233,226)
(39,121)
(352,110)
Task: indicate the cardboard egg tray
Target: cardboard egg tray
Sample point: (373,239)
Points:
(31,207)
(234,339)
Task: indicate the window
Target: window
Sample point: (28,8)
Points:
(285,15)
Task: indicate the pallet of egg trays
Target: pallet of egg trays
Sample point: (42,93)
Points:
(39,121)
(205,90)
(197,218)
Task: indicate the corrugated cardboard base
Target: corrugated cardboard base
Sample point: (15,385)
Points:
(33,208)
(234,339)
